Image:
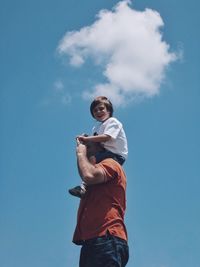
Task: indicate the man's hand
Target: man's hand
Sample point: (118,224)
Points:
(81,148)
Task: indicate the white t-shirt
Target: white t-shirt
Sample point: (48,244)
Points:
(114,128)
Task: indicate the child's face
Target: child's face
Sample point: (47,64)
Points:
(101,113)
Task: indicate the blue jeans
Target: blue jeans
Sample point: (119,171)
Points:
(107,251)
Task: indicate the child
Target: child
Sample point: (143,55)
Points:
(109,132)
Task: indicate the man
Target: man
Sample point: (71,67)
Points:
(100,225)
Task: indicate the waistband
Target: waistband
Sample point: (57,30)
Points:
(108,236)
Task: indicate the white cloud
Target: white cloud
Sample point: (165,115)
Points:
(129,45)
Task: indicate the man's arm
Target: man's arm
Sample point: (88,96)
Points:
(89,173)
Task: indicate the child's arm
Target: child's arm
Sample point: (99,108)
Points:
(94,138)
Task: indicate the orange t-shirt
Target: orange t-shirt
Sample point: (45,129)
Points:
(103,207)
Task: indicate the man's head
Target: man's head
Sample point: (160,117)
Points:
(92,150)
(101,108)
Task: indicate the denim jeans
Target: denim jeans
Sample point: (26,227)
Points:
(107,251)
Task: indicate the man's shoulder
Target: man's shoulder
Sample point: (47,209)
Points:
(111,164)
(112,169)
(110,161)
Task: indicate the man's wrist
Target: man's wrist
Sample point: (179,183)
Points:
(80,154)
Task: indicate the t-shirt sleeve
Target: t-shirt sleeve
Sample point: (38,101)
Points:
(109,168)
(113,128)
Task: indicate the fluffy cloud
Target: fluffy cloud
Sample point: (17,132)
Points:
(129,45)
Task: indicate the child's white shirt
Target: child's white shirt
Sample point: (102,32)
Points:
(114,128)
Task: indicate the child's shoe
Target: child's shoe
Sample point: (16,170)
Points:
(78,191)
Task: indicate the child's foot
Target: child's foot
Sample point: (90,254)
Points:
(77,191)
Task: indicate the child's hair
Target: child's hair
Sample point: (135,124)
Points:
(102,100)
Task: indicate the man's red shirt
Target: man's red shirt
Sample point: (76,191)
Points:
(104,205)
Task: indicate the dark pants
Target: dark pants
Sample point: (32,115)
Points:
(107,251)
(108,154)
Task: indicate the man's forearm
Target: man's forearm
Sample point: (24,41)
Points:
(85,168)
(89,173)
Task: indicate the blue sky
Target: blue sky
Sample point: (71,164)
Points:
(44,103)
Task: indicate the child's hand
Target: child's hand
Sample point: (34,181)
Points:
(82,138)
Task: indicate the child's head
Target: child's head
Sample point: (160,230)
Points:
(101,108)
